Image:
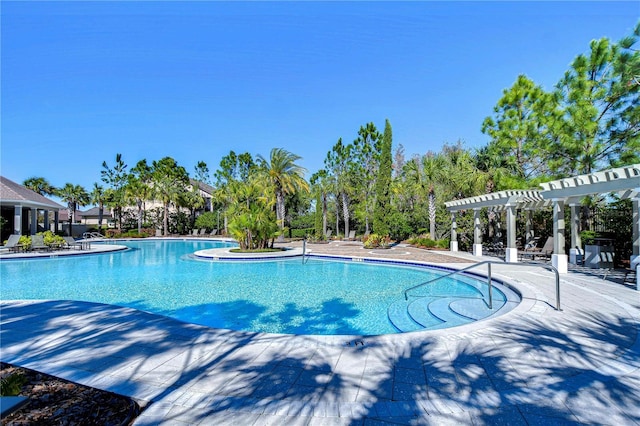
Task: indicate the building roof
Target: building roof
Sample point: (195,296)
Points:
(202,186)
(14,194)
(95,211)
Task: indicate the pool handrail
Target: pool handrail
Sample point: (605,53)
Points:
(489,263)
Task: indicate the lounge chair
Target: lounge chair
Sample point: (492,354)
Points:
(70,243)
(351,237)
(13,244)
(328,234)
(214,232)
(37,243)
(544,252)
(194,233)
(203,231)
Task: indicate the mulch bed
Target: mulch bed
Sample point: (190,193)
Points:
(54,401)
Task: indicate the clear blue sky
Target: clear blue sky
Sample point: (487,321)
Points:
(84,81)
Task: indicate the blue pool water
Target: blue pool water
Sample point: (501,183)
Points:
(283,296)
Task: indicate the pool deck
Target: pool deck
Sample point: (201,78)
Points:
(533,365)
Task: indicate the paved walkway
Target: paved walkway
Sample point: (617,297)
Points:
(534,365)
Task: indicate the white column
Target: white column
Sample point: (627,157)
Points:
(454,233)
(511,252)
(477,233)
(576,244)
(559,258)
(17,220)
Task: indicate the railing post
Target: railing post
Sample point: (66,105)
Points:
(557,290)
(304,248)
(489,284)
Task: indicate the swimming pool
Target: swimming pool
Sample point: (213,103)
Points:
(279,296)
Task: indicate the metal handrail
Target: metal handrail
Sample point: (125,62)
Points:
(489,263)
(304,249)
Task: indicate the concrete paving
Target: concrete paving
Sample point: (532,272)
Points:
(533,365)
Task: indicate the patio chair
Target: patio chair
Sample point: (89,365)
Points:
(13,244)
(351,237)
(37,243)
(70,243)
(544,252)
(630,274)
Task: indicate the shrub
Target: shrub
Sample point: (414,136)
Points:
(12,385)
(377,241)
(113,233)
(588,237)
(207,220)
(52,239)
(300,233)
(423,241)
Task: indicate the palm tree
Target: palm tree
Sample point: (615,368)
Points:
(98,197)
(39,185)
(137,192)
(169,182)
(320,182)
(75,196)
(285,176)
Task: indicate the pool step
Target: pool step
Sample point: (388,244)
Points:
(399,317)
(420,311)
(426,313)
(473,308)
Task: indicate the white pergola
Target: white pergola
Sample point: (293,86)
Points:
(510,201)
(624,181)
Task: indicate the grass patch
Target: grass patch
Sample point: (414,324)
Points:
(266,250)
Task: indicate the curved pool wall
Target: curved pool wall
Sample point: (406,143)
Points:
(208,293)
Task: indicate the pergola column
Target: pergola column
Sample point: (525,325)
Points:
(34,221)
(454,233)
(511,252)
(558,258)
(17,220)
(576,242)
(477,233)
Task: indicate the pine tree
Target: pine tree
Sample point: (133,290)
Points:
(382,212)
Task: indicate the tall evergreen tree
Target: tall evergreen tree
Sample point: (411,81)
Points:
(366,153)
(517,130)
(601,99)
(116,177)
(339,165)
(382,212)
